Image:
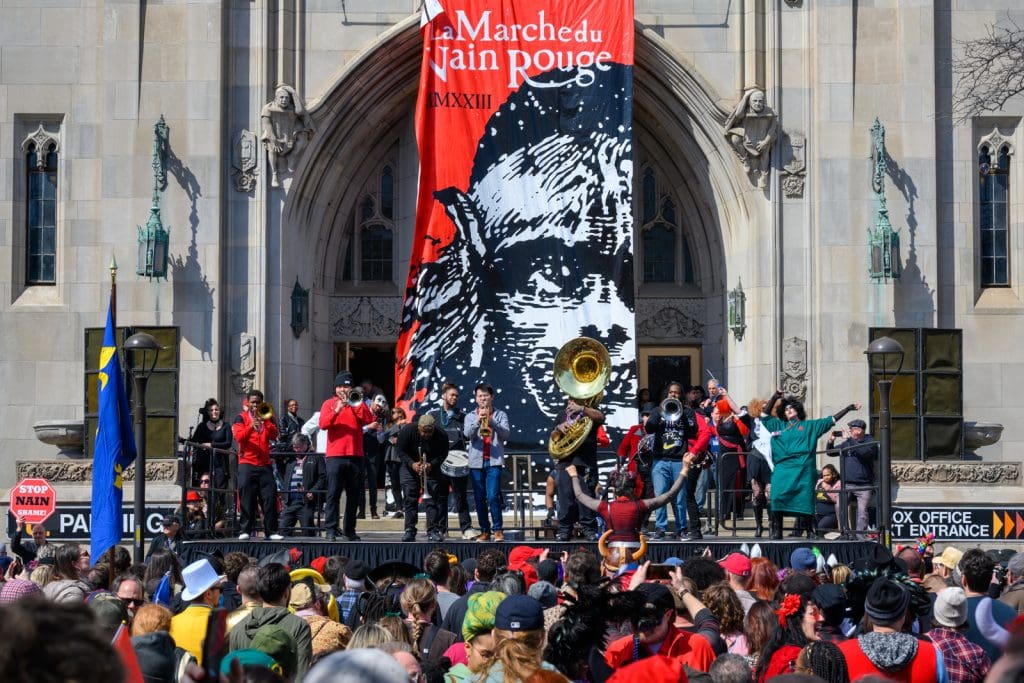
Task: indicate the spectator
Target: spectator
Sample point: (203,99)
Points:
(305,482)
(18,589)
(914,562)
(764,578)
(368,635)
(976,574)
(437,567)
(947,565)
(826,499)
(279,645)
(419,602)
(310,602)
(823,659)
(37,548)
(758,626)
(1014,595)
(66,584)
(737,567)
(518,641)
(249,590)
(858,451)
(170,538)
(965,661)
(730,668)
(885,650)
(131,593)
(831,601)
(354,577)
(358,666)
(798,622)
(486,567)
(726,607)
(274,588)
(202,591)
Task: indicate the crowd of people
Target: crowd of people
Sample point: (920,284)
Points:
(290,470)
(525,616)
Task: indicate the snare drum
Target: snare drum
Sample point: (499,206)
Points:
(456,465)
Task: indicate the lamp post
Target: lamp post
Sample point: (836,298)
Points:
(885,358)
(147,345)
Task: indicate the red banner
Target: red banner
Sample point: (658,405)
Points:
(524,216)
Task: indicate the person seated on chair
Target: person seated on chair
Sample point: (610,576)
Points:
(625,514)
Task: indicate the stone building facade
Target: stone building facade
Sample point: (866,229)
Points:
(87,79)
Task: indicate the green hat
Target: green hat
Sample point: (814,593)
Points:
(480,613)
(248,657)
(279,644)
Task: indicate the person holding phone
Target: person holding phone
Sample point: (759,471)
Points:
(858,451)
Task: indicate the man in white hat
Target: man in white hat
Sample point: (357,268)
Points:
(965,661)
(202,591)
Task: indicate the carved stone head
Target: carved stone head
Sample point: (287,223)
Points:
(757,101)
(283,98)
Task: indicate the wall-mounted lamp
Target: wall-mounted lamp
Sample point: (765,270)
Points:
(300,309)
(738,311)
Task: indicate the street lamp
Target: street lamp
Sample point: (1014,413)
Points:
(885,358)
(147,345)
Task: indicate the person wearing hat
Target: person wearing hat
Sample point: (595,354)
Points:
(519,636)
(655,633)
(832,603)
(793,445)
(170,538)
(279,645)
(858,451)
(1014,594)
(344,421)
(309,601)
(255,438)
(737,568)
(202,592)
(965,661)
(946,565)
(423,449)
(195,515)
(352,585)
(885,651)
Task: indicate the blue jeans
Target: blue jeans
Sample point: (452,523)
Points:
(707,477)
(487,494)
(663,474)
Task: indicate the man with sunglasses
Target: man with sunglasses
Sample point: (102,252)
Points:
(305,481)
(129,591)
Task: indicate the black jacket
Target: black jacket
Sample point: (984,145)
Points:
(411,444)
(314,476)
(687,424)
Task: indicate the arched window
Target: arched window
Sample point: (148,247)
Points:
(661,240)
(373,234)
(41,150)
(994,153)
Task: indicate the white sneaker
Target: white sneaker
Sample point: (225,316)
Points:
(470,534)
(276,537)
(243,537)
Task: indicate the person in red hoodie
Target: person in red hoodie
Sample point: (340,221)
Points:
(344,422)
(655,633)
(255,475)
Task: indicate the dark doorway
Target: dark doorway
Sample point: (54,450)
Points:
(375,362)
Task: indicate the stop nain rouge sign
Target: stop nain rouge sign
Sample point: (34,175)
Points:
(33,500)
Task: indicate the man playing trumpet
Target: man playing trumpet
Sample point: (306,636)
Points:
(486,431)
(255,436)
(422,449)
(343,417)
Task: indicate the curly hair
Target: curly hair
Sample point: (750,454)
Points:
(703,570)
(976,568)
(723,602)
(825,660)
(764,579)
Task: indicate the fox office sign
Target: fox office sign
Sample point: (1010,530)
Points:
(71,522)
(958,524)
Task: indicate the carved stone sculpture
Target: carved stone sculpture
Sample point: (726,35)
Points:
(244,160)
(994,473)
(243,362)
(795,170)
(284,122)
(793,378)
(751,130)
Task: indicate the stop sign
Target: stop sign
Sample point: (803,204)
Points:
(33,500)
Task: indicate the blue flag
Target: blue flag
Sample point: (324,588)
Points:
(162,594)
(115,447)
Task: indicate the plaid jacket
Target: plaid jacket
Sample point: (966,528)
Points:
(965,661)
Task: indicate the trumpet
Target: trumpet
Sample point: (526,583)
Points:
(485,425)
(264,412)
(425,494)
(355,397)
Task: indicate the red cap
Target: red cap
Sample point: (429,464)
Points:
(736,563)
(193,496)
(319,564)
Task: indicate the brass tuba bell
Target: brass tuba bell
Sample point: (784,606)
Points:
(582,369)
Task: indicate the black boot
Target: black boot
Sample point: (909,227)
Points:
(758,521)
(776,526)
(812,533)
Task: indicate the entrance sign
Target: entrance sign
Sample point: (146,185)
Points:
(959,523)
(33,500)
(524,216)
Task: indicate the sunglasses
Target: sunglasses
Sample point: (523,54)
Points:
(133,601)
(204,481)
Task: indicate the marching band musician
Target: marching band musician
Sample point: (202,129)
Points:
(452,421)
(255,476)
(675,438)
(486,430)
(584,459)
(343,420)
(422,449)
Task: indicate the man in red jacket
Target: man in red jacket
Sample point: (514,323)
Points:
(344,422)
(655,633)
(886,651)
(255,476)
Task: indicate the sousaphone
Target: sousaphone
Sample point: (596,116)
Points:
(582,369)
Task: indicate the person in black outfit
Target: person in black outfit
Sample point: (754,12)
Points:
(213,441)
(585,460)
(305,481)
(689,433)
(289,424)
(451,420)
(859,451)
(422,449)
(733,429)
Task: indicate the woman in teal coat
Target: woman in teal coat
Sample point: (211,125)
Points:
(794,442)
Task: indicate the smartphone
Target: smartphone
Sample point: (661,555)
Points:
(837,432)
(660,572)
(215,643)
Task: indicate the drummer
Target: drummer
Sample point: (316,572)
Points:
(451,421)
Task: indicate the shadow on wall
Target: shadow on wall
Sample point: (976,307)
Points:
(192,291)
(914,300)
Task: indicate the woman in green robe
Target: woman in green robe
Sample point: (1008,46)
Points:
(794,442)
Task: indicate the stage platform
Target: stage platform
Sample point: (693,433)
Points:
(378,547)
